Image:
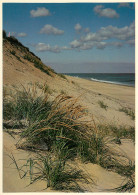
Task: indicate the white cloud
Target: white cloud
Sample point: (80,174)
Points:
(66,48)
(75,44)
(87,46)
(41,11)
(49,29)
(46,47)
(125,35)
(22,34)
(91,37)
(78,27)
(101,45)
(122,36)
(42,47)
(107,12)
(79,45)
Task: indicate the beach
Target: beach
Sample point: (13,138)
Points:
(89,93)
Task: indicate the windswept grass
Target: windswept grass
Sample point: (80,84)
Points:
(128,112)
(119,132)
(127,186)
(37,63)
(44,87)
(61,125)
(52,122)
(54,171)
(28,57)
(25,104)
(62,76)
(128,171)
(102,105)
(14,53)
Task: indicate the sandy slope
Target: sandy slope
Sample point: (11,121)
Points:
(102,178)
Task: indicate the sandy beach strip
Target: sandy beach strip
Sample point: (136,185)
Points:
(120,92)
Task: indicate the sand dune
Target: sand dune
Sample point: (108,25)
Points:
(114,96)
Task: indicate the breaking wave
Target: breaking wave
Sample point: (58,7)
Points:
(111,82)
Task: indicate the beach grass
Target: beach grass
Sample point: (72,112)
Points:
(118,132)
(44,87)
(62,76)
(37,63)
(128,112)
(58,126)
(23,105)
(48,121)
(56,173)
(128,172)
(102,105)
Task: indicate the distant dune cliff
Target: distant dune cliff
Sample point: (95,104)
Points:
(19,63)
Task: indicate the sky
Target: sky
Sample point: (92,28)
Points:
(76,37)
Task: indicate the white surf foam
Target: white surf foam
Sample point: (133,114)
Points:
(111,82)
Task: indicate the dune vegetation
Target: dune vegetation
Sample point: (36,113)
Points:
(58,132)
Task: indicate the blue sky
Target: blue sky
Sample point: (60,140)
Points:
(76,37)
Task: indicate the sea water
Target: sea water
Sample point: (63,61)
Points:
(113,78)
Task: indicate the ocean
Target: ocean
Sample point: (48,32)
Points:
(127,79)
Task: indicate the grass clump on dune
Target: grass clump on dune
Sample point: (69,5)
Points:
(128,112)
(102,105)
(52,122)
(54,171)
(62,76)
(120,132)
(24,105)
(37,63)
(60,124)
(28,57)
(48,121)
(45,88)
